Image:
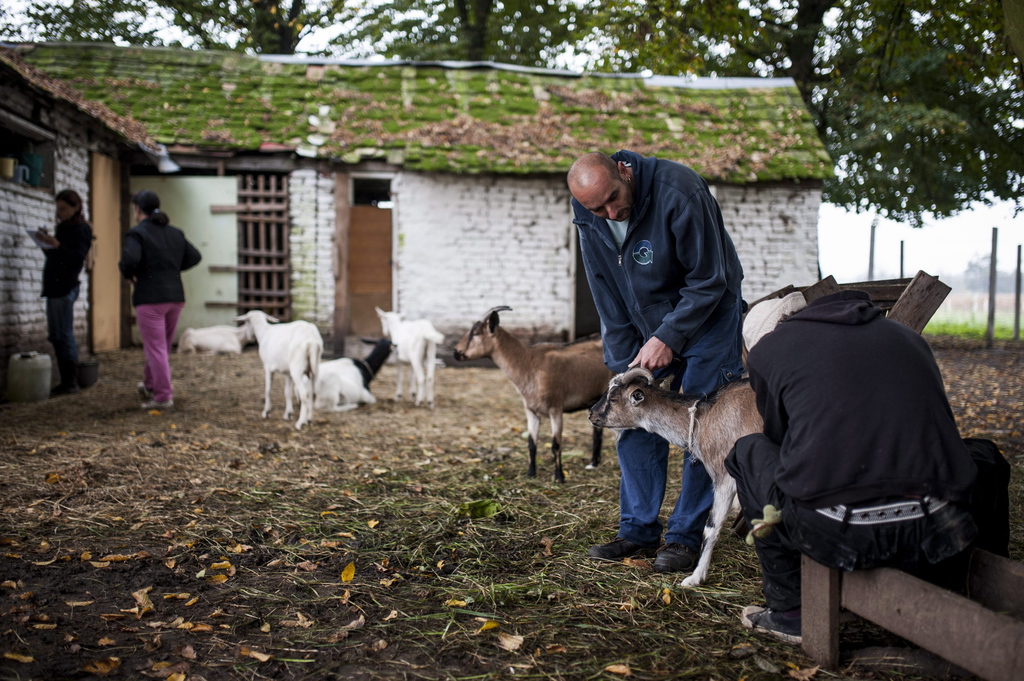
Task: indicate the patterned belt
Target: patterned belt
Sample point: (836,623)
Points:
(883,513)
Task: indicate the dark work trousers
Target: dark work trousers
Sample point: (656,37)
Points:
(931,546)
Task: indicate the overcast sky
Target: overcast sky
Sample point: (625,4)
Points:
(941,247)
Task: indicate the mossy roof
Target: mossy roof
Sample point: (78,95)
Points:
(13,67)
(451,117)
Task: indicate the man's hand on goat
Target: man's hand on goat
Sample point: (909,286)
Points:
(653,355)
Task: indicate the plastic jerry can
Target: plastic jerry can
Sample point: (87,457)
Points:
(28,377)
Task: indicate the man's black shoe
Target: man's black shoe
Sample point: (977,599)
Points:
(619,549)
(675,558)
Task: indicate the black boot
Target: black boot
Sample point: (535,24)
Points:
(68,378)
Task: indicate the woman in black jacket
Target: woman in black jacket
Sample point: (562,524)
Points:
(64,260)
(154,255)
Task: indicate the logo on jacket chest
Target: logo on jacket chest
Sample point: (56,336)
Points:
(643,253)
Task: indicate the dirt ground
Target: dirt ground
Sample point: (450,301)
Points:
(389,542)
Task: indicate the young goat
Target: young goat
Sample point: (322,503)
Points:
(344,384)
(552,378)
(213,340)
(416,343)
(293,349)
(706,426)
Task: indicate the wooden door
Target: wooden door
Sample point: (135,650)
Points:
(369,268)
(105,279)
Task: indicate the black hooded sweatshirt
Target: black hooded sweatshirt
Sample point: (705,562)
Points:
(155,255)
(858,406)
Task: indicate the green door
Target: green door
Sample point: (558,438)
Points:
(211,287)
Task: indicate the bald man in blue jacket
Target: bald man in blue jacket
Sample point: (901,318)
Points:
(666,282)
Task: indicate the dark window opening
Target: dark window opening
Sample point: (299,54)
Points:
(371,192)
(26,154)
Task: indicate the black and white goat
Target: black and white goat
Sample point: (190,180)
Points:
(706,426)
(552,378)
(344,384)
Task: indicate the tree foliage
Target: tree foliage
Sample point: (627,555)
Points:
(525,32)
(919,101)
(264,26)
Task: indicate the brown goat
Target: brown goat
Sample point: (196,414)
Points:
(706,426)
(552,378)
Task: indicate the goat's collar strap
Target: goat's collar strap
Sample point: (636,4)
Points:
(691,435)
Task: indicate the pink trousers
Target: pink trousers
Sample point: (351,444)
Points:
(157,324)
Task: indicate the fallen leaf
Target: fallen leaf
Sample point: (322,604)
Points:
(142,598)
(547,543)
(622,669)
(192,601)
(177,597)
(555,648)
(346,535)
(666,596)
(305,566)
(391,615)
(488,624)
(509,641)
(176,676)
(115,558)
(455,603)
(45,562)
(102,667)
(239,548)
(203,628)
(99,564)
(372,523)
(804,674)
(9,584)
(349,572)
(217,579)
(106,641)
(379,645)
(265,627)
(78,604)
(170,563)
(355,624)
(188,652)
(254,654)
(44,626)
(19,658)
(223,565)
(53,478)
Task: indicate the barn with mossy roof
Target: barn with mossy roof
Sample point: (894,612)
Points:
(437,189)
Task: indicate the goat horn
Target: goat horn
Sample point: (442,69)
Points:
(500,308)
(631,374)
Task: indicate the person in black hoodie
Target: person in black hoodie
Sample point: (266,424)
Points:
(860,463)
(69,244)
(154,255)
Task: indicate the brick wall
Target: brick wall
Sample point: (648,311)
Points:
(775,230)
(311,210)
(469,243)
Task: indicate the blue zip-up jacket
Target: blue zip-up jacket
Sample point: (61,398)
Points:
(677,271)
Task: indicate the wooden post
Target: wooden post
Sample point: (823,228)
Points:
(990,332)
(1016,300)
(901,258)
(819,616)
(871,251)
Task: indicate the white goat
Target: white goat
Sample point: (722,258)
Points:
(213,340)
(416,343)
(344,384)
(552,378)
(705,425)
(293,349)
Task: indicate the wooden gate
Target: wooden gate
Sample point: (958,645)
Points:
(264,277)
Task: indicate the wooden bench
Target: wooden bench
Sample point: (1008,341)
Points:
(983,632)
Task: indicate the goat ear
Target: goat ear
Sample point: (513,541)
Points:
(636,397)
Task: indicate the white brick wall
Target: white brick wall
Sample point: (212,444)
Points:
(22,310)
(775,230)
(468,243)
(311,210)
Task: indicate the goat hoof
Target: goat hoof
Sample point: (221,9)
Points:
(692,580)
(591,467)
(266,414)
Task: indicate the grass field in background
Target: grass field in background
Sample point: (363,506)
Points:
(966,315)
